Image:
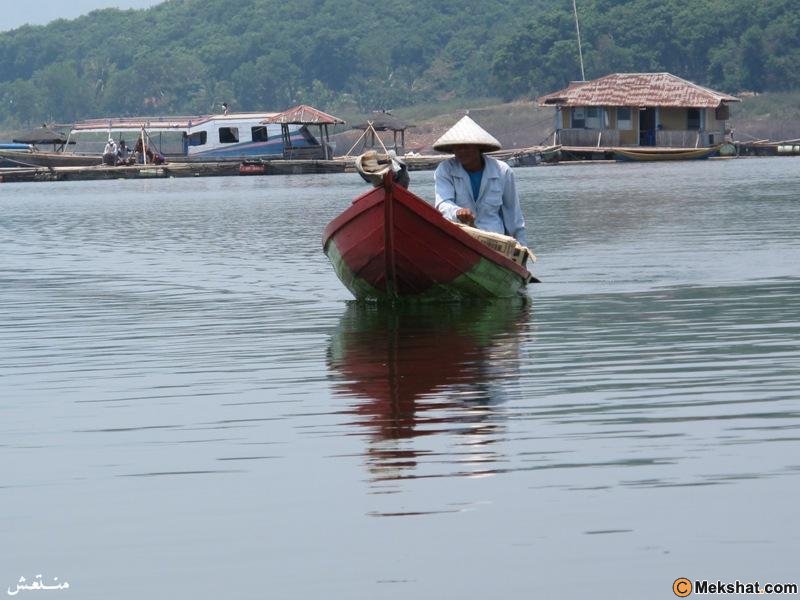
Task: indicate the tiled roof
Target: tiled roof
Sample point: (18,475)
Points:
(637,89)
(304,115)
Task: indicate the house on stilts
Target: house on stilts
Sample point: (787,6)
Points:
(639,109)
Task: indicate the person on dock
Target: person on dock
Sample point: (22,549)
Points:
(140,152)
(110,153)
(123,153)
(476,189)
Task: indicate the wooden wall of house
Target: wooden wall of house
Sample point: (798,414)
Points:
(630,137)
(627,137)
(673,119)
(711,121)
(676,119)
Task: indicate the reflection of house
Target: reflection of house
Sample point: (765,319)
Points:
(639,109)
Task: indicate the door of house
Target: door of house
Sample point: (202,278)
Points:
(647,127)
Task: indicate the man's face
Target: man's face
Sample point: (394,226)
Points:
(469,156)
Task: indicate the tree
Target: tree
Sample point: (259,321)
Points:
(269,83)
(64,95)
(158,84)
(20,103)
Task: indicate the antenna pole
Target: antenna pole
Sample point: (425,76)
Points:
(578,30)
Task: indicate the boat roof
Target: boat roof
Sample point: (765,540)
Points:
(39,135)
(635,90)
(165,122)
(304,115)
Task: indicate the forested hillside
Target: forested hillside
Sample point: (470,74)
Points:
(188,56)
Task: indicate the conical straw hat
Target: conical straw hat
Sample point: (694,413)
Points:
(466,132)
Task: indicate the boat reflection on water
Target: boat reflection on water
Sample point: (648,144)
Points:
(436,371)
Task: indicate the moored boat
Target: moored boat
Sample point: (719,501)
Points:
(653,154)
(38,158)
(10,154)
(391,245)
(25,151)
(200,138)
(230,137)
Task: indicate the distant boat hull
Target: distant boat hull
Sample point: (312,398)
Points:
(659,154)
(390,245)
(49,159)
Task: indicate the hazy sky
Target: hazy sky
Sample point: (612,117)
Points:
(14,13)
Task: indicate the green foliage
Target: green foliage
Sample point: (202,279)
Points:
(60,90)
(21,99)
(731,45)
(189,56)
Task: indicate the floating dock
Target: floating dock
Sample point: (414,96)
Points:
(202,169)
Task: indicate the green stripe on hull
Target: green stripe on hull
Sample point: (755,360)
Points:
(485,280)
(357,286)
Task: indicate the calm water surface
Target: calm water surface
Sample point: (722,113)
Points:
(192,407)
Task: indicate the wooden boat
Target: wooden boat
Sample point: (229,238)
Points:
(38,158)
(652,154)
(528,157)
(26,152)
(551,154)
(14,152)
(390,245)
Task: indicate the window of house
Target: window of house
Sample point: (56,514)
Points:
(578,118)
(228,135)
(624,120)
(693,119)
(259,133)
(198,138)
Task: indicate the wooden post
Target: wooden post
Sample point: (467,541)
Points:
(327,140)
(287,142)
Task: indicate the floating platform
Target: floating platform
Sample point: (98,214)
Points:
(201,169)
(121,172)
(177,169)
(769,148)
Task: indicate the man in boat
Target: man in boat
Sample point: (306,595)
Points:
(476,189)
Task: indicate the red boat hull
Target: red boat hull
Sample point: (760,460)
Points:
(390,244)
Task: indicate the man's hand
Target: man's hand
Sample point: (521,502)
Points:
(465,216)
